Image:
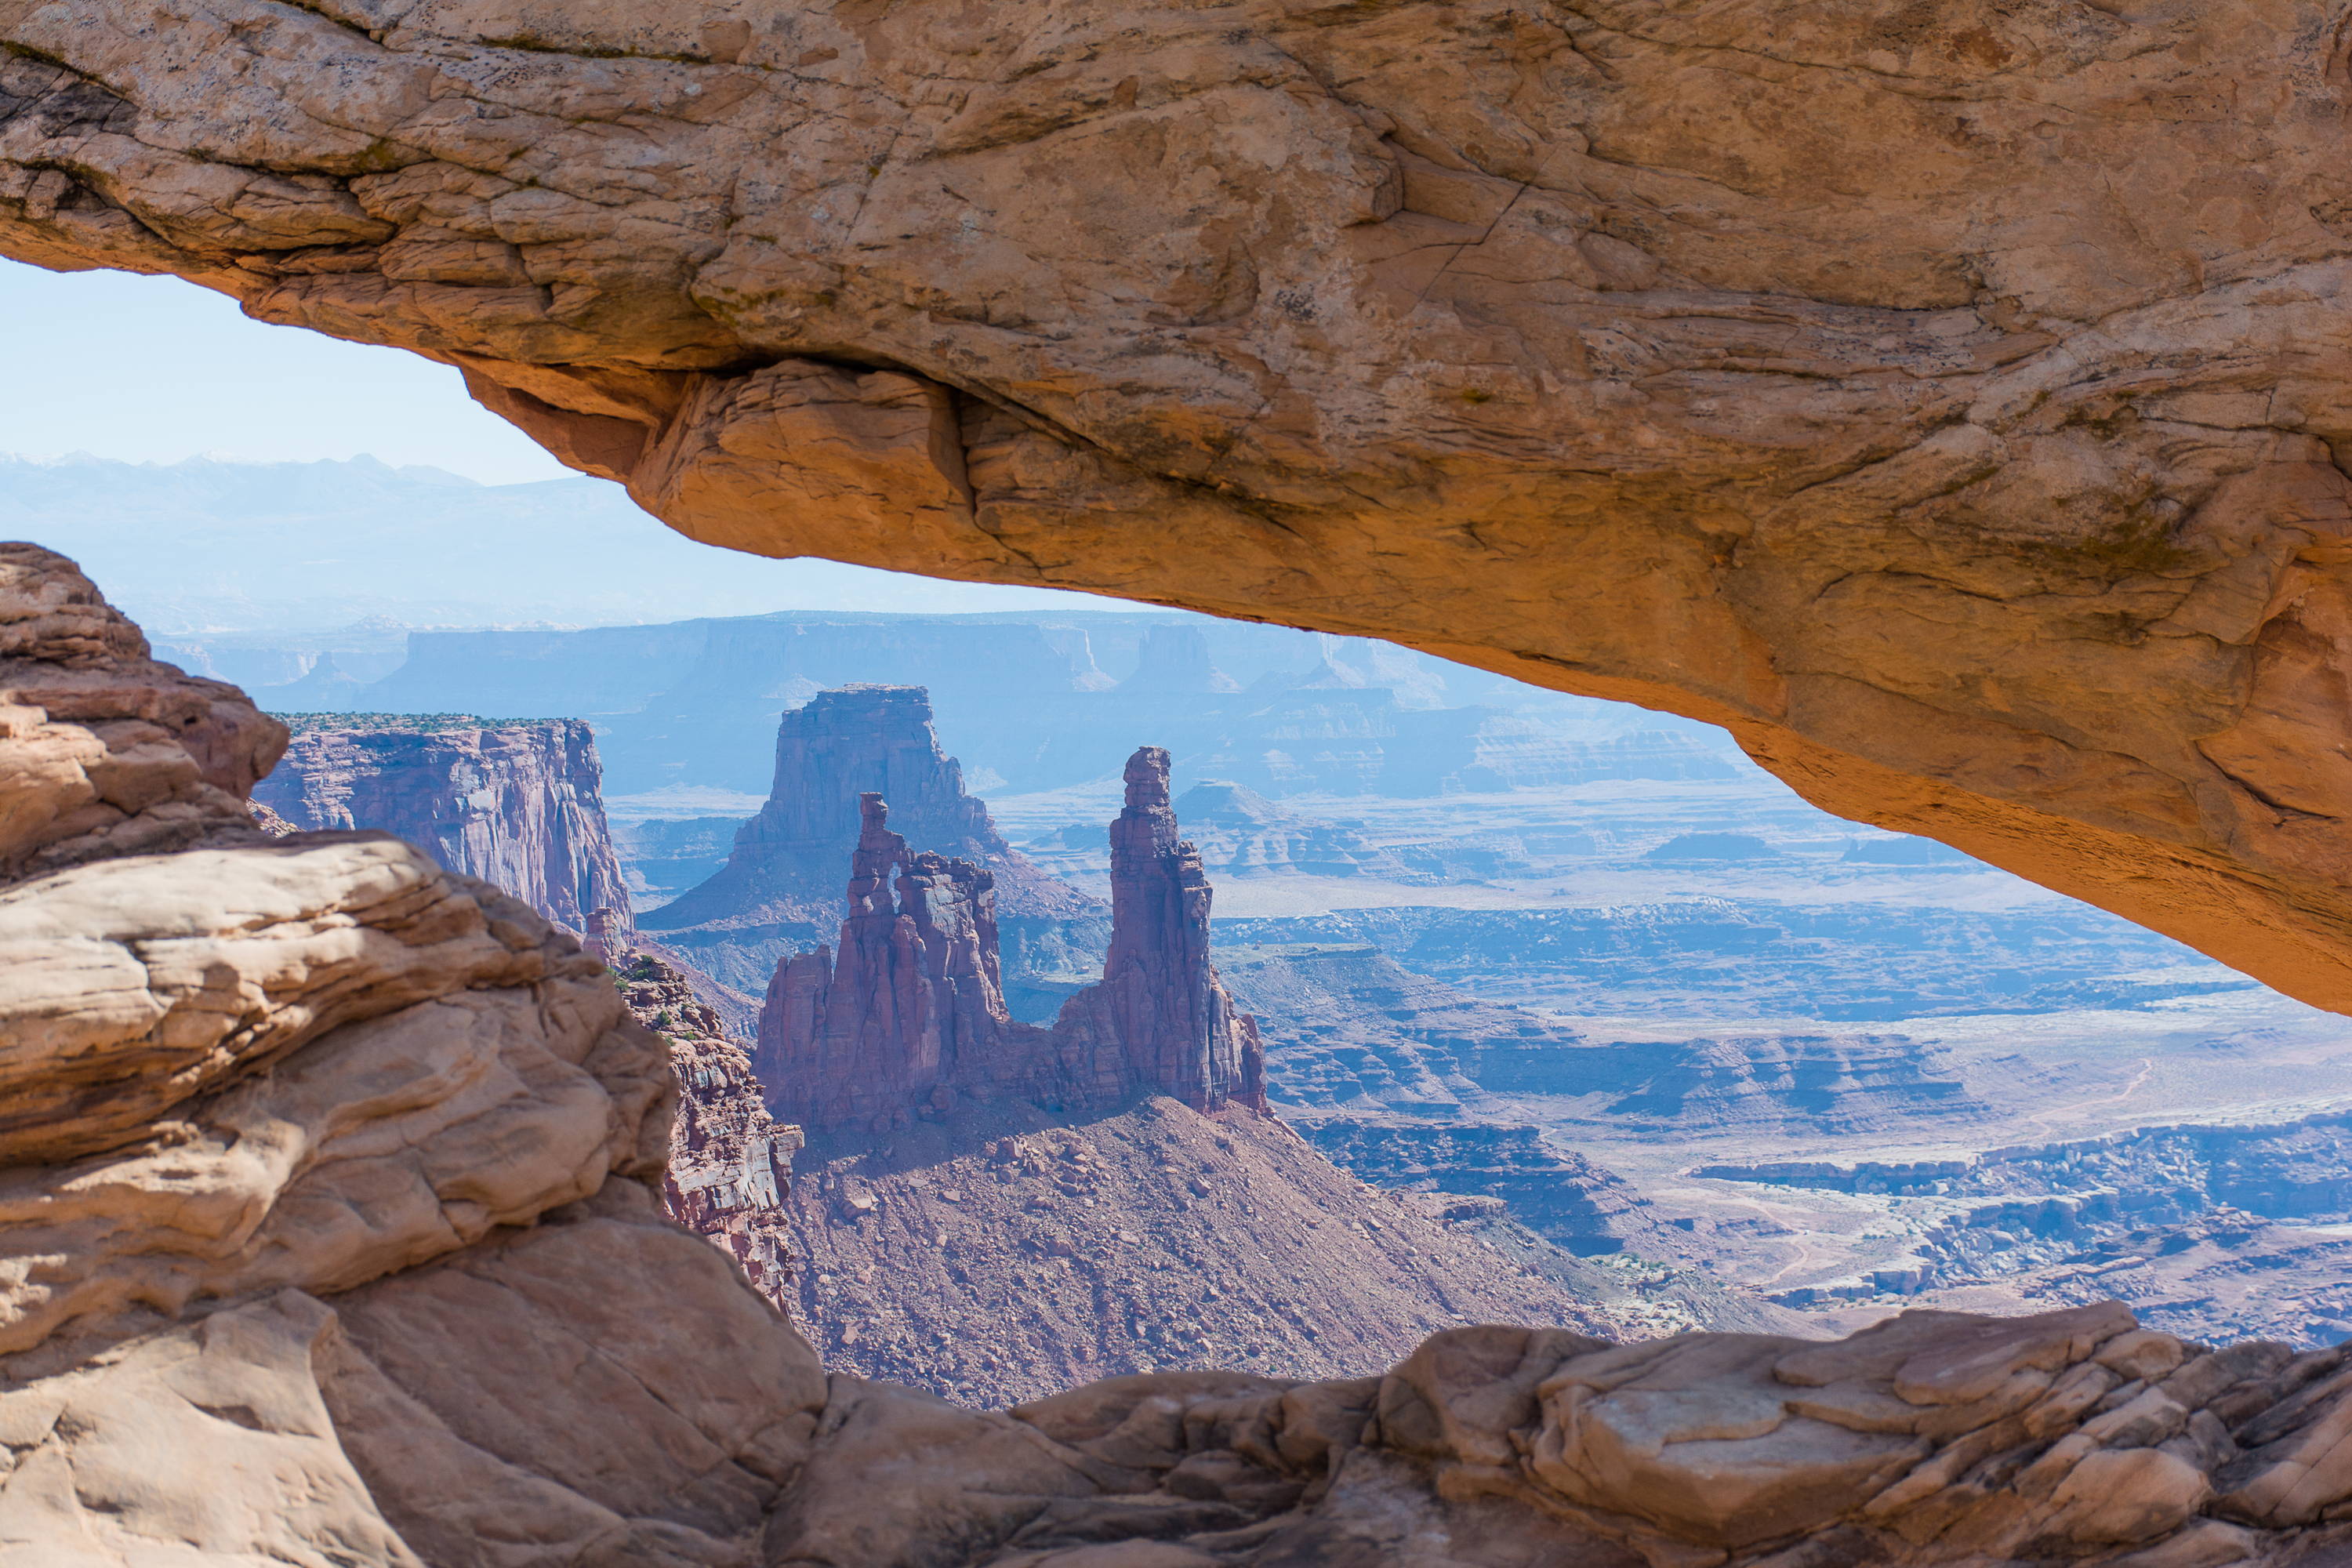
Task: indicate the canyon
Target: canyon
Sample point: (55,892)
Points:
(392,1251)
(1984,487)
(1623,1045)
(518,805)
(345,1235)
(913,1007)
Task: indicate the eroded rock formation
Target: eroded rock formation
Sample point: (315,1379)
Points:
(730,1160)
(319,1165)
(1985,485)
(1160,1012)
(910,1013)
(329,1185)
(1240,833)
(516,803)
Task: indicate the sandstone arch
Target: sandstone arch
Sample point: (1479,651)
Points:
(1946,399)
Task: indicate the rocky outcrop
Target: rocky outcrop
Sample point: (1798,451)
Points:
(911,1012)
(516,803)
(1160,1016)
(329,1192)
(779,889)
(110,753)
(913,1005)
(730,1162)
(320,1162)
(1983,486)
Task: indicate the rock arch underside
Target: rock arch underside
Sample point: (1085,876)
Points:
(1946,398)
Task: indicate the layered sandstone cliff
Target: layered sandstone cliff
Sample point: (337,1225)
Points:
(786,862)
(519,804)
(909,1013)
(328,1178)
(318,1158)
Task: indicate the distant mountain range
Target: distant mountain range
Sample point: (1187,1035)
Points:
(210,547)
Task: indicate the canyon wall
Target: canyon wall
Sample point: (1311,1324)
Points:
(909,1014)
(519,805)
(1240,833)
(730,1162)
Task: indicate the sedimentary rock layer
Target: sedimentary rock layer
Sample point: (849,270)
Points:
(1983,483)
(321,1161)
(730,1160)
(1161,1009)
(1240,833)
(519,805)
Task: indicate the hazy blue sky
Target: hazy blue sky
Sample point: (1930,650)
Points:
(154,370)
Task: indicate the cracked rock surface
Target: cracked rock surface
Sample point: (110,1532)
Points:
(341,1245)
(1947,399)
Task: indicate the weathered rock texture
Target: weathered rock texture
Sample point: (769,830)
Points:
(519,805)
(911,1014)
(730,1162)
(331,1236)
(1160,1010)
(327,1178)
(1946,400)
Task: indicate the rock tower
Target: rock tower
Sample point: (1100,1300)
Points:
(909,1013)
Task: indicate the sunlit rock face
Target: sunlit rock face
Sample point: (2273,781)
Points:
(308,1129)
(1983,484)
(781,886)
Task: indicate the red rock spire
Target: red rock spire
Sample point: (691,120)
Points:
(914,1002)
(1173,1020)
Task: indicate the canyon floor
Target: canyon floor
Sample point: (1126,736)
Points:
(1852,1072)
